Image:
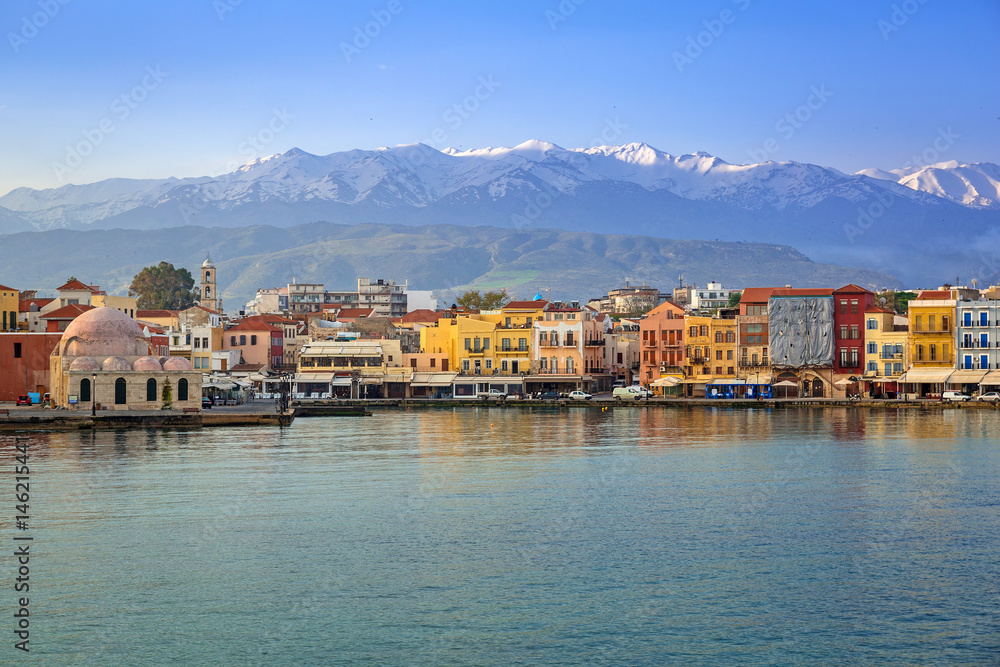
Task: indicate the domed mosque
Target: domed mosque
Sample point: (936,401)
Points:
(104,358)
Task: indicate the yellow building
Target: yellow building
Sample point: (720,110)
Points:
(125,304)
(886,351)
(492,342)
(710,353)
(9,301)
(931,342)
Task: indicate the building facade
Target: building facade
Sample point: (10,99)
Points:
(661,341)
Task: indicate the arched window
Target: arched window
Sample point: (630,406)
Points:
(208,276)
(85,390)
(151,390)
(208,292)
(182,389)
(120,398)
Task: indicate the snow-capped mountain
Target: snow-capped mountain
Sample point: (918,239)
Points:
(635,189)
(976,184)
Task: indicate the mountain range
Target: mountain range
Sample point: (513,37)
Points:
(923,224)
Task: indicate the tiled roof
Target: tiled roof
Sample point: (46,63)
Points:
(253,326)
(268,318)
(934,294)
(75,285)
(420,315)
(7,289)
(24,304)
(247,367)
(876,309)
(349,313)
(852,288)
(756,294)
(70,312)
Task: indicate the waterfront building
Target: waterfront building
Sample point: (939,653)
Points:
(886,351)
(9,307)
(290,339)
(708,299)
(801,339)
(976,342)
(661,336)
(259,343)
(567,350)
(385,297)
(849,327)
(621,350)
(709,356)
(352,369)
(754,365)
(104,358)
(24,358)
(931,342)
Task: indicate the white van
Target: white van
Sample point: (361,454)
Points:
(633,393)
(955,397)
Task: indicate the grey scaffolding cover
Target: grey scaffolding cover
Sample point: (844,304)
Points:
(800,331)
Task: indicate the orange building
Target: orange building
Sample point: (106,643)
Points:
(661,343)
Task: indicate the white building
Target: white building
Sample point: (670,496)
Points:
(712,297)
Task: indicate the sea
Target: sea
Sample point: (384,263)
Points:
(498,536)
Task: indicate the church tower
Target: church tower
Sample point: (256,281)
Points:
(209,294)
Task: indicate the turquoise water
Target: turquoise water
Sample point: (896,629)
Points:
(492,536)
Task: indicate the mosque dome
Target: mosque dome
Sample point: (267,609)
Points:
(103,332)
(85,364)
(147,364)
(116,364)
(177,364)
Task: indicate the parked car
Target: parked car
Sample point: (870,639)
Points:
(549,395)
(580,395)
(23,399)
(618,383)
(990,397)
(955,397)
(495,394)
(633,393)
(206,403)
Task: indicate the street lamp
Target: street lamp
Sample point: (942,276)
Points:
(93,396)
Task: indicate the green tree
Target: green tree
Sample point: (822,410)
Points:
(902,300)
(491,300)
(162,287)
(734,299)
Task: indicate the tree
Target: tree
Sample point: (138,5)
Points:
(902,301)
(734,299)
(162,287)
(492,300)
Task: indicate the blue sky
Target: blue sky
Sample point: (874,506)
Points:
(187,88)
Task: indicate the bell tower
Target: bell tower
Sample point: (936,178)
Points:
(209,293)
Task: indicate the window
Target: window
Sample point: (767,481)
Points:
(888,368)
(554,365)
(542,363)
(522,345)
(933,352)
(433,362)
(503,365)
(505,345)
(703,330)
(569,364)
(729,371)
(197,342)
(984,362)
(930,322)
(204,342)
(718,336)
(197,362)
(855,334)
(843,306)
(150,390)
(854,357)
(843,357)
(84,390)
(243,339)
(465,365)
(730,337)
(182,389)
(729,355)
(872,366)
(897,368)
(413,363)
(718,370)
(872,323)
(967,363)
(489,364)
(468,343)
(232,341)
(967,318)
(920,352)
(486,344)
(843,331)
(919,323)
(17,350)
(854,306)
(718,355)
(120,396)
(253,339)
(873,347)
(983,319)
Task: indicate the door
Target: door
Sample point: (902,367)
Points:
(817,390)
(120,391)
(513,367)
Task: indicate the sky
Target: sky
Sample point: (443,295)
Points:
(98,89)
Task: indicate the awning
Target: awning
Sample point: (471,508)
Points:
(968,376)
(442,379)
(320,378)
(377,380)
(669,381)
(732,382)
(759,378)
(992,378)
(224,386)
(340,382)
(928,375)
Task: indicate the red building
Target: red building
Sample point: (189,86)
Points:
(849,304)
(258,342)
(60,318)
(24,358)
(661,343)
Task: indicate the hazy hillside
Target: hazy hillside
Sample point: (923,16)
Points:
(574,265)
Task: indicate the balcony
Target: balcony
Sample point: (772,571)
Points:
(594,342)
(850,363)
(746,363)
(973,345)
(935,330)
(548,343)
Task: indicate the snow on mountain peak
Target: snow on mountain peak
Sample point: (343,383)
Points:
(976,185)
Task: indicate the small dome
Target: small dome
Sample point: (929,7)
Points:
(177,364)
(116,364)
(147,364)
(162,360)
(85,364)
(103,332)
(207,263)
